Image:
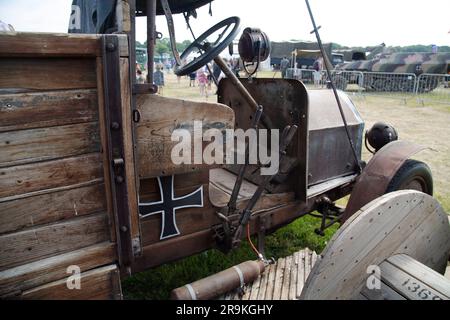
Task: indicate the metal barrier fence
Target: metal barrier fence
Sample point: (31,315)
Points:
(405,86)
(433,88)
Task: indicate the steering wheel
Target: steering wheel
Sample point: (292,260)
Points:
(208,50)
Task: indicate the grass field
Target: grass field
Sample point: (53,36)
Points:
(427,125)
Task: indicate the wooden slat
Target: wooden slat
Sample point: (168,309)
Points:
(270,282)
(300,273)
(24,277)
(25,44)
(422,272)
(47,109)
(294,277)
(278,281)
(407,285)
(169,250)
(47,175)
(52,207)
(47,74)
(25,146)
(247,292)
(263,284)
(256,287)
(286,279)
(98,284)
(307,263)
(41,242)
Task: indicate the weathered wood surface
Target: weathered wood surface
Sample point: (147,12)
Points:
(47,109)
(16,280)
(47,74)
(20,180)
(26,44)
(52,207)
(429,286)
(42,144)
(98,284)
(55,198)
(282,280)
(160,117)
(41,242)
(403,222)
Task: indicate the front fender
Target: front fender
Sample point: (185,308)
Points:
(375,178)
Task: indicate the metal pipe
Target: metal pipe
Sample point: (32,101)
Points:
(220,283)
(327,67)
(151,38)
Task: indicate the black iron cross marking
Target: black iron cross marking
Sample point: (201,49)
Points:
(168,205)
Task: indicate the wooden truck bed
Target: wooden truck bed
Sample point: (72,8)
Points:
(55,193)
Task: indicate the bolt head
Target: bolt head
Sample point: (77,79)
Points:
(111,46)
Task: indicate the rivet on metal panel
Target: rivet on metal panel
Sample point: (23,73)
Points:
(111,47)
(115,126)
(119,179)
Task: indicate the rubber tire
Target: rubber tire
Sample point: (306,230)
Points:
(408,172)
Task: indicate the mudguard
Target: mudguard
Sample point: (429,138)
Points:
(375,178)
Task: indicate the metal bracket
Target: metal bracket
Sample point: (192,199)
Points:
(116,151)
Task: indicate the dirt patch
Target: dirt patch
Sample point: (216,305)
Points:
(425,125)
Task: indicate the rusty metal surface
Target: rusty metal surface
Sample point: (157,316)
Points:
(375,178)
(285,102)
(220,283)
(116,148)
(330,154)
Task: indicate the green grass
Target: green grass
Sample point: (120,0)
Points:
(157,283)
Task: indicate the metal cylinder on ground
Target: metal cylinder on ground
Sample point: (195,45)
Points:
(220,283)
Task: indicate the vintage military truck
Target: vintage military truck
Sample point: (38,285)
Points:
(395,71)
(88,188)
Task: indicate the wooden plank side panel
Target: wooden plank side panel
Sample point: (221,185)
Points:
(47,208)
(19,180)
(31,275)
(47,109)
(98,284)
(27,44)
(47,74)
(41,242)
(43,144)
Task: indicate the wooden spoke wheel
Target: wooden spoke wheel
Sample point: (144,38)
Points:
(402,222)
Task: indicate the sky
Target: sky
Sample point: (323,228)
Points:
(347,22)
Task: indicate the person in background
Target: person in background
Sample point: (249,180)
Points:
(140,78)
(158,79)
(284,65)
(318,67)
(192,78)
(202,79)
